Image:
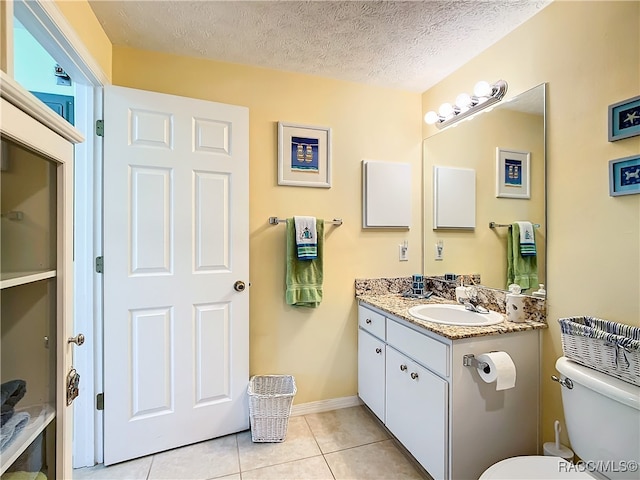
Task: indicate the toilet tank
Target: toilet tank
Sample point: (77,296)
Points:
(602,415)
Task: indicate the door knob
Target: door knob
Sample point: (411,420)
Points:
(414,375)
(239,286)
(78,339)
(378,350)
(403,368)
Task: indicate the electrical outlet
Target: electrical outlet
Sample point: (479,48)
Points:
(439,250)
(403,252)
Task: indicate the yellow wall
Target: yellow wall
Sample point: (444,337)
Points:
(86,25)
(317,346)
(589,53)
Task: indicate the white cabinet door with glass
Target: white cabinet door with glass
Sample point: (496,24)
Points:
(36,178)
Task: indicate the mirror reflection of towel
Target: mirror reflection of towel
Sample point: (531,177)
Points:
(522,270)
(527,239)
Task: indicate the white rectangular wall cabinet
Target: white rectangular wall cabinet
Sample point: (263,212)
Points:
(386,194)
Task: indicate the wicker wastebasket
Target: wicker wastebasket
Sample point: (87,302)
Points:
(270,400)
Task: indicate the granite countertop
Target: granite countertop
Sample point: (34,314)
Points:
(397,305)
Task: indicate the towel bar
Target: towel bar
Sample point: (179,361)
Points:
(276,221)
(496,225)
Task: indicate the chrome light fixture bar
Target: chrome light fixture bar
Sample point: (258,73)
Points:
(484,95)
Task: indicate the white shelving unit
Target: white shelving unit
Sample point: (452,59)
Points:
(36,283)
(14,279)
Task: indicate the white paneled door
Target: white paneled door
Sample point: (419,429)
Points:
(176,244)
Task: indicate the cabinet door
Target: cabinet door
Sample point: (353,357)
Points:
(371,371)
(36,289)
(416,411)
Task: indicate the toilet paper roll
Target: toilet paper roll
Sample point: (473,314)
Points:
(501,369)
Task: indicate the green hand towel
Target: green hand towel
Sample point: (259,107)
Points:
(520,270)
(303,277)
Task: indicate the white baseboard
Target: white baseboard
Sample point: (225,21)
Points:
(325,405)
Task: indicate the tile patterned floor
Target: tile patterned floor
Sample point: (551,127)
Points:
(345,444)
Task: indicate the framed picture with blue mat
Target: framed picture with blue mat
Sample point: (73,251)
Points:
(624,176)
(624,119)
(512,173)
(304,155)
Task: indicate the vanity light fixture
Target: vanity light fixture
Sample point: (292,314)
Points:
(484,95)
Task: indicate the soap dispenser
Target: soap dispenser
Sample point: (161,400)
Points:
(515,304)
(462,294)
(541,292)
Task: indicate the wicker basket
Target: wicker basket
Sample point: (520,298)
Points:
(609,347)
(270,399)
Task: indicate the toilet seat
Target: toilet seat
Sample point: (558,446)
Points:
(533,467)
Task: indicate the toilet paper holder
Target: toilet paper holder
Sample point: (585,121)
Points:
(469,360)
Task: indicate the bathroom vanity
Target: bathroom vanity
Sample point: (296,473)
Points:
(412,377)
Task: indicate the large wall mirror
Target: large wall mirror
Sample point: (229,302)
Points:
(516,124)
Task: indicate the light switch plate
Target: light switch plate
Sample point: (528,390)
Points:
(403,253)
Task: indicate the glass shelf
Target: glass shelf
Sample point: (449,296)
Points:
(41,417)
(13,279)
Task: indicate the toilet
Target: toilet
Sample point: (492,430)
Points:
(602,415)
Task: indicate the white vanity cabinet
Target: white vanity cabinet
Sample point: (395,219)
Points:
(445,415)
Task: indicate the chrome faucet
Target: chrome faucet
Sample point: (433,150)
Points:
(471,304)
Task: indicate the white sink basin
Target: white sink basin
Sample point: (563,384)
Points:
(454,315)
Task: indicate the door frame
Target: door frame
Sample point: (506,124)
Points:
(52,30)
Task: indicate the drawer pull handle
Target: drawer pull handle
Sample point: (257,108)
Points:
(414,375)
(368,321)
(378,350)
(403,368)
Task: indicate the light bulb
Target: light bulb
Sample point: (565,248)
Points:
(482,89)
(463,101)
(431,117)
(445,110)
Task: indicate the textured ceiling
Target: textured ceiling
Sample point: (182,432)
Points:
(409,45)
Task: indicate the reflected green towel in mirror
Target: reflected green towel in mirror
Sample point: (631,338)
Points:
(303,277)
(520,270)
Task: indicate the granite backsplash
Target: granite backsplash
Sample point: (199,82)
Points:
(491,298)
